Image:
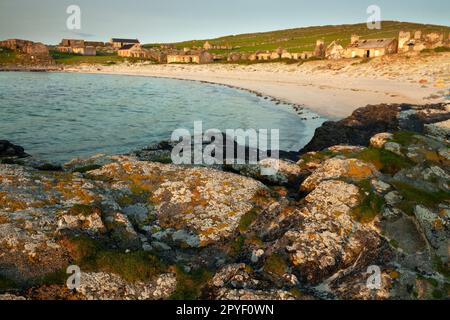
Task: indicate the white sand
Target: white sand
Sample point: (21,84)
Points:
(330,88)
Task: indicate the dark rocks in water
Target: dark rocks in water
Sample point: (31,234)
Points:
(161,152)
(7,149)
(368,121)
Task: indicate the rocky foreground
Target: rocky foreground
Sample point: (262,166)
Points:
(141,228)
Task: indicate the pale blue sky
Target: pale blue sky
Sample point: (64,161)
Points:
(176,20)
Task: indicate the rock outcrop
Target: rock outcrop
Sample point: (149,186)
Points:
(366,122)
(320,228)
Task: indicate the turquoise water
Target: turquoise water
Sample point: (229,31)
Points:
(60,116)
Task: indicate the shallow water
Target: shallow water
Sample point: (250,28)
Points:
(60,116)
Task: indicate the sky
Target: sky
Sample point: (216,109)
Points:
(156,21)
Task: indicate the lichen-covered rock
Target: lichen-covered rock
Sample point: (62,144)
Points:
(394,148)
(440,130)
(207,202)
(237,282)
(10,297)
(336,168)
(36,207)
(104,286)
(272,171)
(245,294)
(328,239)
(380,139)
(354,287)
(436,228)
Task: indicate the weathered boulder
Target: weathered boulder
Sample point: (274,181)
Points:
(328,238)
(273,172)
(206,203)
(380,139)
(238,282)
(436,228)
(336,168)
(104,286)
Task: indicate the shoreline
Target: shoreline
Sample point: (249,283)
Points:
(332,89)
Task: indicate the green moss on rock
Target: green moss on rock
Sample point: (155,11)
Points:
(275,264)
(369,208)
(190,284)
(247,220)
(92,256)
(385,161)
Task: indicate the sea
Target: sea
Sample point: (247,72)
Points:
(61,116)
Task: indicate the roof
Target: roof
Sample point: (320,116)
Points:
(372,43)
(125,40)
(127,47)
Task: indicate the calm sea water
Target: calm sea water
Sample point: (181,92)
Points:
(58,116)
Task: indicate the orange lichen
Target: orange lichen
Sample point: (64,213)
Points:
(358,171)
(7,202)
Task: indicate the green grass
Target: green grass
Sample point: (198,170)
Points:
(134,266)
(383,160)
(439,49)
(304,39)
(190,284)
(74,59)
(7,56)
(369,208)
(405,138)
(413,196)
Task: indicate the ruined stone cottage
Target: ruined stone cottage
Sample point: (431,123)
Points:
(370,48)
(319,50)
(334,51)
(118,43)
(190,56)
(418,41)
(78,46)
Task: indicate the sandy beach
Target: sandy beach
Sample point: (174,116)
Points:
(330,88)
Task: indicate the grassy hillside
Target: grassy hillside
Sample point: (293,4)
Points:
(7,56)
(304,39)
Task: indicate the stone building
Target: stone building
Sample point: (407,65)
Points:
(192,56)
(118,43)
(418,41)
(81,47)
(207,46)
(233,57)
(319,51)
(370,48)
(334,51)
(72,43)
(85,51)
(133,51)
